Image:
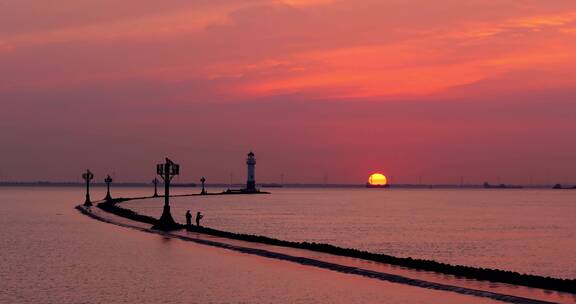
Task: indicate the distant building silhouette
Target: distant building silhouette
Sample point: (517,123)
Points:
(501,186)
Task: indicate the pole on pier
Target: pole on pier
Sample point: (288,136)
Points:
(167,171)
(203,180)
(108,181)
(155,181)
(87,176)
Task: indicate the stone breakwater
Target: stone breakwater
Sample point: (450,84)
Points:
(483,274)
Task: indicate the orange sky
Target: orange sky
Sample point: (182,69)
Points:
(438,89)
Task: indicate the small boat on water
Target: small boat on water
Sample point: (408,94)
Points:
(559,186)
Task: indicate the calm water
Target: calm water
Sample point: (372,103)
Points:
(529,231)
(50,253)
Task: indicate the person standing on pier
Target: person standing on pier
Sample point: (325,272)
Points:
(199,216)
(188,218)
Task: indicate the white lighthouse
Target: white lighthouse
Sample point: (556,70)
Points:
(251,181)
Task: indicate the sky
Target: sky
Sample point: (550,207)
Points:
(321,91)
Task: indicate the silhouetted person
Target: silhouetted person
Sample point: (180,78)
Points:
(199,216)
(189,218)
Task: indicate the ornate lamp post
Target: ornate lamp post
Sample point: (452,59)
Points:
(108,181)
(203,180)
(155,181)
(87,176)
(167,171)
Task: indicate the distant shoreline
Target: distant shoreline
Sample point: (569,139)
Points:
(334,186)
(78,184)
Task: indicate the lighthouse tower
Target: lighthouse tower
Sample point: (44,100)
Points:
(251,181)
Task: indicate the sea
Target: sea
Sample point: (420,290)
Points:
(50,253)
(528,231)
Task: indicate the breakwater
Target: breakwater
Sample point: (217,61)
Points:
(492,275)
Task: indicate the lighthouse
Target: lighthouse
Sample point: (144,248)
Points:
(251,181)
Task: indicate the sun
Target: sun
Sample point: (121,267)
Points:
(377,179)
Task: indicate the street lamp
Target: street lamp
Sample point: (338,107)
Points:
(155,181)
(108,181)
(203,180)
(87,176)
(167,171)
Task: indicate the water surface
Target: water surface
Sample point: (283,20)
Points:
(523,230)
(50,253)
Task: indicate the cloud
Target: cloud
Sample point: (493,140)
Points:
(424,64)
(143,27)
(320,49)
(306,2)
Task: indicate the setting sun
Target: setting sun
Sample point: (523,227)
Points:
(377,179)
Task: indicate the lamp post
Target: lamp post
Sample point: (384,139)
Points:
(203,180)
(87,176)
(108,181)
(155,181)
(167,171)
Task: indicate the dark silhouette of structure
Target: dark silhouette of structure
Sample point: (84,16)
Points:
(203,180)
(167,171)
(199,216)
(155,181)
(559,186)
(87,176)
(188,218)
(487,185)
(369,185)
(251,180)
(108,181)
